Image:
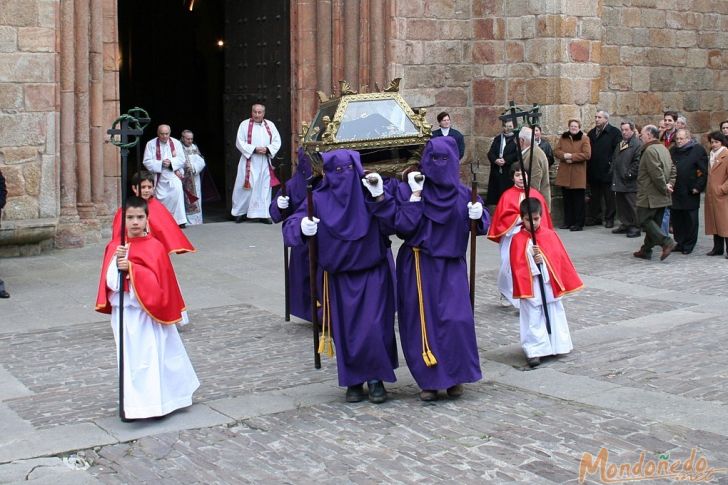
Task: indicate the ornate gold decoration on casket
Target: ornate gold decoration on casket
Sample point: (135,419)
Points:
(381,126)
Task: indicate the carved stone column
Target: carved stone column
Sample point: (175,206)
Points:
(68,148)
(86,209)
(96,64)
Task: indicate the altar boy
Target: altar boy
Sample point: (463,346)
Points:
(158,374)
(560,278)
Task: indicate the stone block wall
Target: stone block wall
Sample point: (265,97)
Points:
(632,58)
(29,108)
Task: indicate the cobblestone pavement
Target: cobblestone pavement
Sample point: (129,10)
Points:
(647,376)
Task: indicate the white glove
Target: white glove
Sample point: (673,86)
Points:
(309,227)
(282,201)
(376,189)
(475,211)
(415,185)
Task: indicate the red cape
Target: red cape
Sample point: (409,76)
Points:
(507,212)
(152,277)
(162,226)
(562,273)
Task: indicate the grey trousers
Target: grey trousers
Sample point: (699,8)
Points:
(627,209)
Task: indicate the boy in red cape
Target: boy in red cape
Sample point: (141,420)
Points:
(158,374)
(161,223)
(505,223)
(560,278)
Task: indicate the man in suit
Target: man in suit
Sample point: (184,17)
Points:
(604,139)
(443,119)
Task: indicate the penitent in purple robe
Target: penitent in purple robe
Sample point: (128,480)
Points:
(439,226)
(296,190)
(352,250)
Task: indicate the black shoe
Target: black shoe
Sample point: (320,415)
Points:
(265,220)
(667,248)
(687,251)
(377,392)
(576,228)
(182,226)
(714,252)
(355,393)
(634,233)
(455,391)
(533,361)
(4,294)
(564,226)
(678,248)
(596,222)
(240,219)
(609,224)
(620,230)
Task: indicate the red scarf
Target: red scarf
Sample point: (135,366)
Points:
(273,179)
(159,149)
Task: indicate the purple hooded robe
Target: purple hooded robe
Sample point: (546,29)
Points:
(296,190)
(352,250)
(440,227)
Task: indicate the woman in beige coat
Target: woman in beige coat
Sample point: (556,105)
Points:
(572,151)
(716,193)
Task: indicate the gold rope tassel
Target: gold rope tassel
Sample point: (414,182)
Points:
(326,343)
(427,354)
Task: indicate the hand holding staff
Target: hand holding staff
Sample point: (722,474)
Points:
(311,222)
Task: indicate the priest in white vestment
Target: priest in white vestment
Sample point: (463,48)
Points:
(258,141)
(194,165)
(165,157)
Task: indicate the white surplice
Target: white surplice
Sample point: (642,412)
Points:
(197,163)
(535,339)
(254,201)
(505,277)
(168,188)
(158,374)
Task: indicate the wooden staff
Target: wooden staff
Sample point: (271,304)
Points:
(312,266)
(122,127)
(531,117)
(286,274)
(473,233)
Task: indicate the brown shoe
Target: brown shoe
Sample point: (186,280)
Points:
(455,391)
(428,395)
(667,249)
(642,254)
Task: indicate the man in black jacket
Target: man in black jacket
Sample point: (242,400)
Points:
(604,139)
(3,199)
(625,165)
(691,161)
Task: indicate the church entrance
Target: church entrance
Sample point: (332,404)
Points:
(200,65)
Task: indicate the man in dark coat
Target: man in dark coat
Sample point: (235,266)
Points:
(691,162)
(604,138)
(625,164)
(503,152)
(3,199)
(443,119)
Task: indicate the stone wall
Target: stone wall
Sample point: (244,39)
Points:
(633,58)
(58,94)
(28,118)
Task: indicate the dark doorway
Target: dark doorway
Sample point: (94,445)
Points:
(257,70)
(173,66)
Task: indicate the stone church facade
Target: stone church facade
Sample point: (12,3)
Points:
(59,81)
